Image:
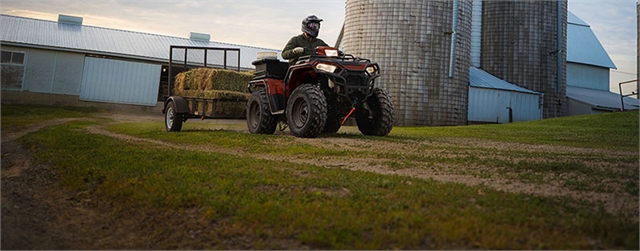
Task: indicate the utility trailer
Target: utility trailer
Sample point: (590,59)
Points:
(178,109)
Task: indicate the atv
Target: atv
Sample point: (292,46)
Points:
(317,94)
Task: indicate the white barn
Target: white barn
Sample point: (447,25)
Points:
(588,66)
(493,100)
(67,63)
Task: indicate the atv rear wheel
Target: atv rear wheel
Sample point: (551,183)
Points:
(172,119)
(306,111)
(379,120)
(259,118)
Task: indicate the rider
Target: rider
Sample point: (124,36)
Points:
(305,43)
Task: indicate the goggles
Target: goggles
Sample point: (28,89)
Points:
(314,26)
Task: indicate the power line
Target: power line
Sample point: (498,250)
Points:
(622,72)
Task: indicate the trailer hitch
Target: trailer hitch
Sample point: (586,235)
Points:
(353,108)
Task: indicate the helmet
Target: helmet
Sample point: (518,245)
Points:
(311,25)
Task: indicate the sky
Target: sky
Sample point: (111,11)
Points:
(271,23)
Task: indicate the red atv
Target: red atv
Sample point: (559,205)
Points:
(317,94)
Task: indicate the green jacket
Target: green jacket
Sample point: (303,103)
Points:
(301,40)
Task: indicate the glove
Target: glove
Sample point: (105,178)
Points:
(298,50)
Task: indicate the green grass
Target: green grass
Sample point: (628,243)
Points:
(333,208)
(21,115)
(618,131)
(325,208)
(457,158)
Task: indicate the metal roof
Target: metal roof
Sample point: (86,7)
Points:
(603,100)
(482,79)
(106,41)
(583,46)
(573,19)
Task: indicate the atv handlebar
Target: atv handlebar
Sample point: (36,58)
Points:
(332,52)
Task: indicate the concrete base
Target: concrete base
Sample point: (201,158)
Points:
(32,98)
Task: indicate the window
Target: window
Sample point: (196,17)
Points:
(6,56)
(12,57)
(12,70)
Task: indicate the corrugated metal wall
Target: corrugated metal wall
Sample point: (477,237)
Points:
(492,106)
(49,71)
(411,40)
(587,76)
(520,45)
(39,71)
(116,81)
(575,107)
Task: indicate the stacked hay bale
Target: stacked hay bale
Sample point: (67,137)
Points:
(223,89)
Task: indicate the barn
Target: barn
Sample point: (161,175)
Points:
(68,63)
(588,67)
(491,99)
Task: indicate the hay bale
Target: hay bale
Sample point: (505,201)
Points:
(215,94)
(223,107)
(225,88)
(179,83)
(227,103)
(205,79)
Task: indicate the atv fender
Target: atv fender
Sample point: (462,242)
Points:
(275,93)
(182,106)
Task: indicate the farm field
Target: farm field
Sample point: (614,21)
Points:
(76,179)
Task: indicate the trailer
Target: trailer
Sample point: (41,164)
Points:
(178,109)
(315,95)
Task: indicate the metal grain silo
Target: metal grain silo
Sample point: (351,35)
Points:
(524,43)
(423,48)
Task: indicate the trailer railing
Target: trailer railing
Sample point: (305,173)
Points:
(622,95)
(198,61)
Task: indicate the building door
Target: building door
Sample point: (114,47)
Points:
(117,81)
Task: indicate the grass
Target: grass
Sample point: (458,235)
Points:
(333,208)
(617,131)
(22,115)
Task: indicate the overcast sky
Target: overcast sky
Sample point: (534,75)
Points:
(270,23)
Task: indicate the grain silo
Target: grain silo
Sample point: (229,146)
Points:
(524,43)
(423,48)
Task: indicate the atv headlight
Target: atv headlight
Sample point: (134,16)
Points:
(331,53)
(331,83)
(371,70)
(326,67)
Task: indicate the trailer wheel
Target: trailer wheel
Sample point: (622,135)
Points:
(259,118)
(172,119)
(306,111)
(379,120)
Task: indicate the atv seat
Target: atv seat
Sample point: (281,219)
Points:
(270,68)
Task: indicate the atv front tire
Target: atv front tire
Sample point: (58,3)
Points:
(379,120)
(306,111)
(259,118)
